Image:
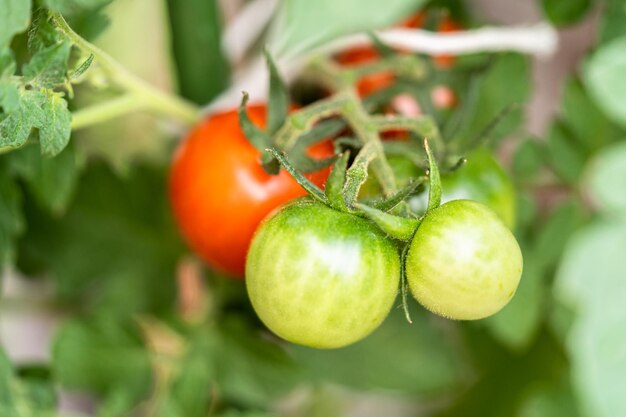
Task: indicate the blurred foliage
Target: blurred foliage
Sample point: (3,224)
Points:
(97,229)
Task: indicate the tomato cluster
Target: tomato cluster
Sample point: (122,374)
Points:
(326,274)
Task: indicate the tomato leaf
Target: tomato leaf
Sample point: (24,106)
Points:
(563,13)
(48,67)
(603,76)
(51,180)
(104,356)
(606,174)
(24,396)
(14,18)
(73,7)
(11,220)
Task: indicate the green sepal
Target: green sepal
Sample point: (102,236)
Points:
(434,180)
(401,228)
(357,174)
(412,188)
(404,283)
(312,189)
(335,183)
(80,70)
(255,136)
(278,105)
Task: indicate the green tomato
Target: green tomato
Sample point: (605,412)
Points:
(463,262)
(319,277)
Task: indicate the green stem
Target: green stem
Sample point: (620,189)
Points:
(423,126)
(107,110)
(151,97)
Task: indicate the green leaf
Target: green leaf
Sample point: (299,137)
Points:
(14,18)
(55,130)
(566,158)
(114,250)
(527,160)
(9,97)
(7,63)
(45,110)
(251,370)
(73,7)
(604,77)
(48,67)
(24,397)
(563,13)
(398,356)
(613,23)
(595,344)
(605,179)
(498,89)
(551,400)
(102,355)
(300,27)
(590,127)
(11,220)
(202,68)
(278,105)
(51,180)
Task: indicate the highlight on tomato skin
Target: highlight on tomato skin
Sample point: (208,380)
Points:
(219,191)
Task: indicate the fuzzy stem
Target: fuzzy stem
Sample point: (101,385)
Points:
(152,97)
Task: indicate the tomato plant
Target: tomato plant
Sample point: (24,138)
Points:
(463,262)
(319,277)
(220,192)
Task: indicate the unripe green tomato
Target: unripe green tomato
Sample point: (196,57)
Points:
(463,262)
(319,277)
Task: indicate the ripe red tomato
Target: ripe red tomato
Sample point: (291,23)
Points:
(220,193)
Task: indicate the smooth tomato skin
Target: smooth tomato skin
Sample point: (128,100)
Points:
(463,262)
(220,193)
(319,277)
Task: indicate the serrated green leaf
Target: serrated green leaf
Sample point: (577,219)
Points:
(605,179)
(563,13)
(48,67)
(300,27)
(102,355)
(14,18)
(55,131)
(604,77)
(51,180)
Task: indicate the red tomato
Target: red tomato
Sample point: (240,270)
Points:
(220,193)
